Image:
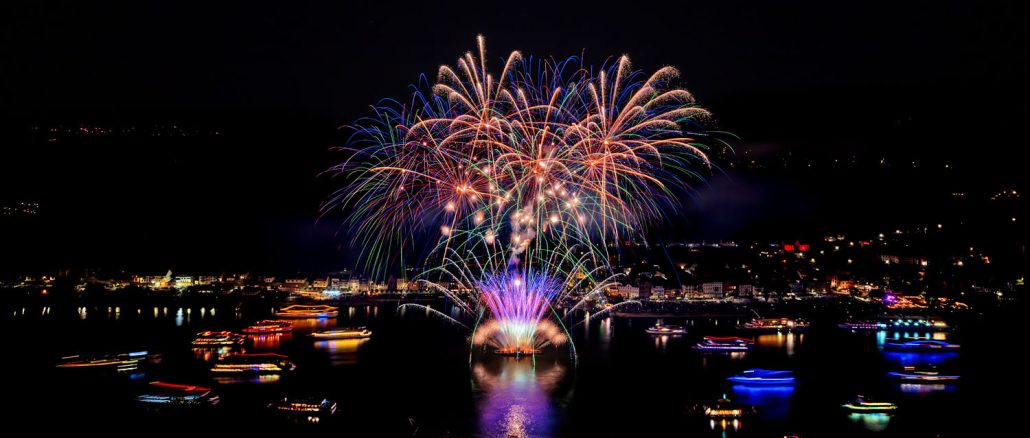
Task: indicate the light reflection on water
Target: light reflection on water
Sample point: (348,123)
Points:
(271,341)
(516,395)
(306,325)
(780,340)
(342,351)
(210,354)
(873,422)
(772,401)
(257,379)
(926,388)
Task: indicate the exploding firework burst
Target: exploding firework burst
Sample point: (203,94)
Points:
(522,177)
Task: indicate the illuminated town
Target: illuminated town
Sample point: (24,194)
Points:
(430,220)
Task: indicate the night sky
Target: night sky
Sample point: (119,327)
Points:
(940,80)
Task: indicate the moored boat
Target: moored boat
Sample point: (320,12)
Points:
(269,326)
(774,324)
(724,408)
(308,311)
(343,333)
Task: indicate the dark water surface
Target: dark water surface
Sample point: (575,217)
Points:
(414,377)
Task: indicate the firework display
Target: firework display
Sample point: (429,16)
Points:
(520,180)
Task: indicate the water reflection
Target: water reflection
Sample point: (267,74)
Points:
(926,388)
(271,341)
(872,422)
(313,324)
(516,400)
(780,340)
(210,354)
(342,351)
(918,359)
(772,401)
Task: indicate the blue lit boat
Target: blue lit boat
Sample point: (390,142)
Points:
(727,344)
(162,393)
(912,374)
(921,345)
(861,405)
(759,376)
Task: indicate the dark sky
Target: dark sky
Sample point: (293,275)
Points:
(279,76)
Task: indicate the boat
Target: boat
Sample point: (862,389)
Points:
(864,325)
(860,404)
(759,376)
(712,343)
(660,329)
(121,362)
(163,393)
(303,406)
(343,333)
(308,311)
(774,324)
(724,408)
(913,374)
(921,345)
(257,363)
(269,326)
(217,339)
(899,323)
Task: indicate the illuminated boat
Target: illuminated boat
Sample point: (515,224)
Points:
(712,343)
(774,324)
(913,374)
(660,329)
(864,325)
(269,326)
(724,408)
(303,406)
(308,311)
(259,363)
(121,362)
(921,345)
(217,339)
(343,333)
(163,393)
(860,404)
(899,323)
(758,376)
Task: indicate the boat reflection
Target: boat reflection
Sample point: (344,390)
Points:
(270,341)
(313,324)
(926,388)
(254,378)
(772,401)
(516,395)
(875,422)
(342,351)
(780,340)
(905,358)
(210,354)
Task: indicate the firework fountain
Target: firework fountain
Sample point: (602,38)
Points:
(524,178)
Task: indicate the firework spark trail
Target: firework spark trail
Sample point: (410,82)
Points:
(430,310)
(515,174)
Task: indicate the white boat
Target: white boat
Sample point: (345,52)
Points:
(343,333)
